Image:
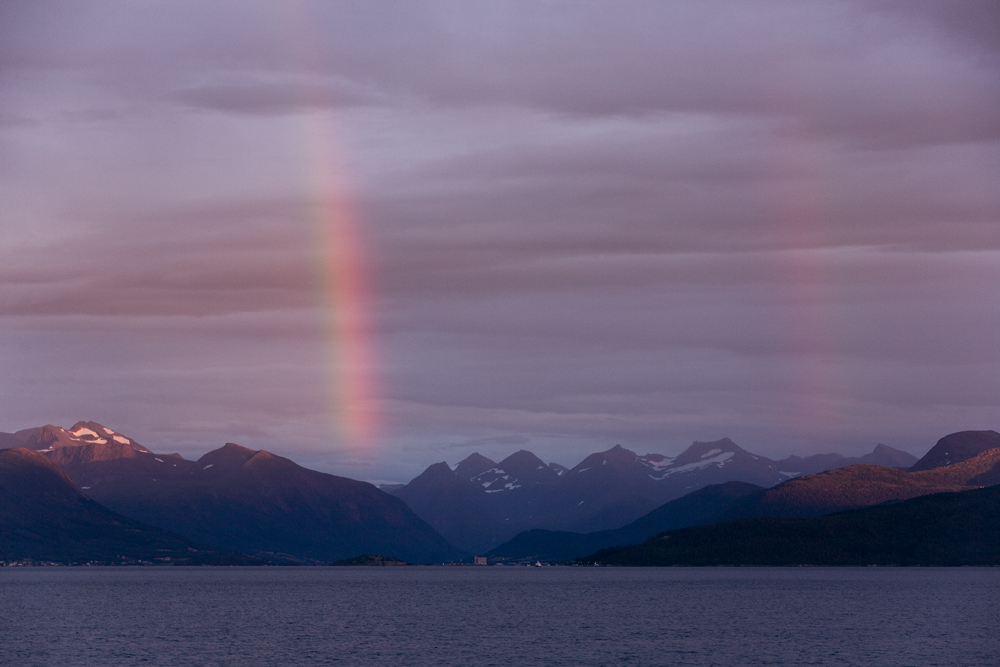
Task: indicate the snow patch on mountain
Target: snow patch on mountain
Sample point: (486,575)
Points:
(718,460)
(657,462)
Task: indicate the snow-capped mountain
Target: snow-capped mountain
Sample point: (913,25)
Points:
(606,490)
(236,498)
(514,472)
(50,437)
(847,483)
(479,503)
(723,459)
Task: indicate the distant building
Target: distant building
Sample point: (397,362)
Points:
(480,560)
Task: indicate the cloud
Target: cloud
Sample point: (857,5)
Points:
(584,223)
(972,25)
(506,440)
(247,258)
(835,70)
(276,98)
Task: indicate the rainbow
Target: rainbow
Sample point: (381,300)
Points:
(339,251)
(344,282)
(810,327)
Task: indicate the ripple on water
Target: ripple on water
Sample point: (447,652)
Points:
(110,617)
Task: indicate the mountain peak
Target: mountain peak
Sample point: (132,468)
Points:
(957,447)
(435,471)
(617,455)
(528,468)
(520,458)
(50,436)
(94,427)
(229,455)
(522,468)
(472,465)
(699,451)
(889,456)
(261,457)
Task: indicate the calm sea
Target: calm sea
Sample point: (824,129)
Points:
(249,617)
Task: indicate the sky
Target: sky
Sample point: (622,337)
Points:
(370,236)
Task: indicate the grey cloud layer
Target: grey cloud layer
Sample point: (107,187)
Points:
(585,223)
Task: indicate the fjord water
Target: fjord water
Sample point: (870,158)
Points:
(252,617)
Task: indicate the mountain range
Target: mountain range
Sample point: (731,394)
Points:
(238,499)
(480,504)
(90,494)
(974,461)
(944,529)
(882,455)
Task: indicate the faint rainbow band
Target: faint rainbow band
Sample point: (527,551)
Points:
(339,251)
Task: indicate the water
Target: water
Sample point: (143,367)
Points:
(252,617)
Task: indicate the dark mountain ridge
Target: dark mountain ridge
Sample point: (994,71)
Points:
(812,495)
(945,529)
(481,504)
(882,455)
(239,499)
(696,508)
(863,486)
(260,503)
(43,518)
(957,447)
